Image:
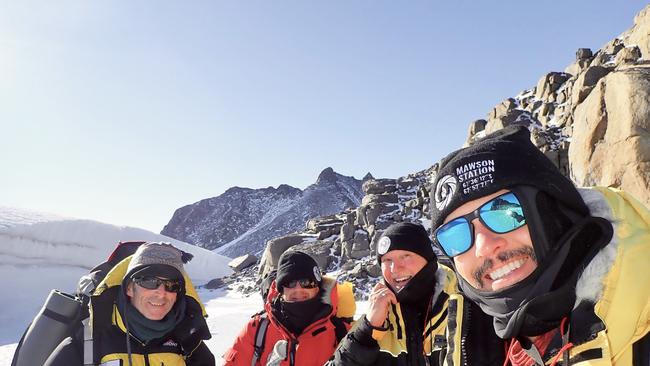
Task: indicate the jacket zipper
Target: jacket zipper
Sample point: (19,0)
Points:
(466,319)
(292,353)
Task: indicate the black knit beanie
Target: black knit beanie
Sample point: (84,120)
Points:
(295,265)
(503,159)
(406,236)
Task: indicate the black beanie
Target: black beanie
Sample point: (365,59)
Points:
(295,265)
(406,236)
(503,159)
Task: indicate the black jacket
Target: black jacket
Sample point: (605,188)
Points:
(415,329)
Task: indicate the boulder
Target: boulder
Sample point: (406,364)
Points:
(475,127)
(613,126)
(612,47)
(638,34)
(347,232)
(358,271)
(242,262)
(515,116)
(603,59)
(628,55)
(361,219)
(274,249)
(346,250)
(370,199)
(502,109)
(215,284)
(360,246)
(377,186)
(585,83)
(319,224)
(406,184)
(376,210)
(549,84)
(583,54)
(319,250)
(373,270)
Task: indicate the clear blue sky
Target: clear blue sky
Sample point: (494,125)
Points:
(123,111)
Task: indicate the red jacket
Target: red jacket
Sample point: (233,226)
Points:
(313,347)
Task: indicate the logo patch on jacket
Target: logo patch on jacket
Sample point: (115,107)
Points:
(170,343)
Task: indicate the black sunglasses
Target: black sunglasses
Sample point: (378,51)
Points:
(304,283)
(152,283)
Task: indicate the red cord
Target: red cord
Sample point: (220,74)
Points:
(565,347)
(557,356)
(562,326)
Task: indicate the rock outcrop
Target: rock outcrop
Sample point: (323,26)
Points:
(593,119)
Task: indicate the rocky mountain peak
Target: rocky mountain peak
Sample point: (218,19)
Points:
(327,175)
(241,220)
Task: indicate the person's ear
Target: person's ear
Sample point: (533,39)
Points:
(129,289)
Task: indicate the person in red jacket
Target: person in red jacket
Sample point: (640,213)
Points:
(304,318)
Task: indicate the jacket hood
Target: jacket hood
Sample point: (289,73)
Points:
(115,276)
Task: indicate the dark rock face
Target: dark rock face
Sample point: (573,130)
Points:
(242,220)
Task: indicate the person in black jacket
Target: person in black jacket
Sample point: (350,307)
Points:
(145,312)
(406,316)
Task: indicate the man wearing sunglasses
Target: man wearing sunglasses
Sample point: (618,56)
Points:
(304,318)
(406,317)
(144,312)
(563,272)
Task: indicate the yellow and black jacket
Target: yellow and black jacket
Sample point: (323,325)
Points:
(400,344)
(183,346)
(610,322)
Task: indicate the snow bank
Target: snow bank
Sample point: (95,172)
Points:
(39,252)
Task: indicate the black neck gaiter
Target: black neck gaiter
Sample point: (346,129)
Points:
(538,303)
(296,316)
(419,289)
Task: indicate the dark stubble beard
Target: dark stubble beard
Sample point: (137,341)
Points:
(502,257)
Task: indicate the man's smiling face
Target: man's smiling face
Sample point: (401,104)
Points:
(153,304)
(495,261)
(399,266)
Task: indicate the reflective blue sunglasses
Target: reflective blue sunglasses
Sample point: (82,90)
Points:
(501,215)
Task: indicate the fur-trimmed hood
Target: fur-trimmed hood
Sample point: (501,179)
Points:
(590,283)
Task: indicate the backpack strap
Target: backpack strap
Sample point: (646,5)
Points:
(260,337)
(88,343)
(340,328)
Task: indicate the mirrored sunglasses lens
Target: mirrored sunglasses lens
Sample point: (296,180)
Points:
(304,283)
(172,285)
(308,283)
(150,283)
(455,237)
(503,214)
